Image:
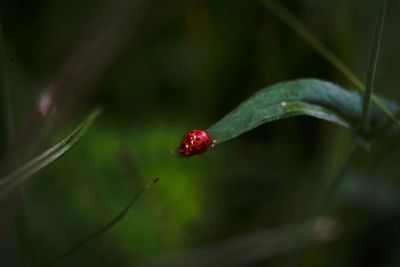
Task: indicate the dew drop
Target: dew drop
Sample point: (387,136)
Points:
(214,142)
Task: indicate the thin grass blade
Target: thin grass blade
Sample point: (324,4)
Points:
(103,229)
(323,201)
(14,179)
(375,49)
(297,26)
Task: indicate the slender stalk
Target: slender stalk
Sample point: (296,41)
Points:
(19,175)
(374,56)
(324,200)
(103,229)
(296,25)
(289,19)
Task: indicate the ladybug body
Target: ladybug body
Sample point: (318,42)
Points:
(194,142)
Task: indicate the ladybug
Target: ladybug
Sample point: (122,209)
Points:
(194,142)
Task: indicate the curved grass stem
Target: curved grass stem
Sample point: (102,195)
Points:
(374,56)
(325,198)
(103,229)
(15,178)
(296,25)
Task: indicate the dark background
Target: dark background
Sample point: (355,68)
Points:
(160,68)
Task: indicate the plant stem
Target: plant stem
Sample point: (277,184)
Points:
(103,229)
(374,56)
(33,166)
(289,19)
(296,25)
(324,200)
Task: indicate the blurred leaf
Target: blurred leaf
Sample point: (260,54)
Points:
(35,165)
(311,97)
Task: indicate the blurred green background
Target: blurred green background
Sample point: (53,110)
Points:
(171,66)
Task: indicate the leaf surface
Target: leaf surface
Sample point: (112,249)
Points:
(311,97)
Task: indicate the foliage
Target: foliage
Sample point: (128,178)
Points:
(314,98)
(164,68)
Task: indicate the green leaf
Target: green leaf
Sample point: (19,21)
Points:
(14,179)
(296,25)
(311,97)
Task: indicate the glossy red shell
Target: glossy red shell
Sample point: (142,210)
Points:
(194,142)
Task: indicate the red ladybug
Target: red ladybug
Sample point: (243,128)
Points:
(194,142)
